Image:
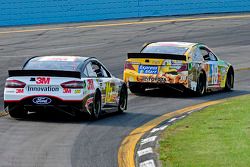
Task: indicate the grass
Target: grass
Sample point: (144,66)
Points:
(216,136)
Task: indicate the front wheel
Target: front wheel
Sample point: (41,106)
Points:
(123,99)
(96,109)
(17,112)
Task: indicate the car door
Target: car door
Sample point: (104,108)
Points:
(108,85)
(212,67)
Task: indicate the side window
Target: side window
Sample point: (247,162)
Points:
(91,72)
(207,54)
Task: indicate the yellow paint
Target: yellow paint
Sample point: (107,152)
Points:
(126,151)
(129,23)
(109,91)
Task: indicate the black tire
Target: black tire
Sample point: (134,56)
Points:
(229,81)
(123,100)
(136,88)
(17,111)
(96,109)
(201,85)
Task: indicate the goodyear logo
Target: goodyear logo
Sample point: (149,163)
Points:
(148,69)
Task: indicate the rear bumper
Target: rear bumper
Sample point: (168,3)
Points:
(180,78)
(56,103)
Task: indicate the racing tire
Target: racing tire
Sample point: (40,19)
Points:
(136,88)
(17,112)
(96,109)
(201,85)
(229,81)
(123,100)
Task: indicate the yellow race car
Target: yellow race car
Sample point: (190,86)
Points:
(179,65)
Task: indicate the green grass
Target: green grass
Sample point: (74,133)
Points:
(216,136)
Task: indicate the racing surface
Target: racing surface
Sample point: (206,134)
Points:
(56,140)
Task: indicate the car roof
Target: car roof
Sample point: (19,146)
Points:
(175,44)
(59,58)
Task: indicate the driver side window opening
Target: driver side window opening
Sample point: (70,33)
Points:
(207,54)
(96,70)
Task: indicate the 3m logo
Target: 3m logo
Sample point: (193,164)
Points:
(19,91)
(43,80)
(66,90)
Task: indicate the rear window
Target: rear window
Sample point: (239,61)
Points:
(165,50)
(61,64)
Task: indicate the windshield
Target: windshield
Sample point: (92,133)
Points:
(54,63)
(165,50)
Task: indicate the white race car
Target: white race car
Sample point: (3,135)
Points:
(71,84)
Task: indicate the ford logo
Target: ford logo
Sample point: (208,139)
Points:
(42,100)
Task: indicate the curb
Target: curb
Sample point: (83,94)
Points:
(142,138)
(145,149)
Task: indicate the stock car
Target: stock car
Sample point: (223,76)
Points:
(188,67)
(71,84)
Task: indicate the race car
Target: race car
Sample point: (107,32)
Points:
(179,65)
(71,84)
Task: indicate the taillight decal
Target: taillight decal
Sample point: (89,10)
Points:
(73,85)
(14,84)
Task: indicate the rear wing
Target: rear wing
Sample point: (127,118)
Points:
(157,56)
(51,73)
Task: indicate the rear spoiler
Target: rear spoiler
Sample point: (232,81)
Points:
(157,56)
(52,73)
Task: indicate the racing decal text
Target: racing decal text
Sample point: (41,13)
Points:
(43,80)
(42,88)
(66,90)
(19,91)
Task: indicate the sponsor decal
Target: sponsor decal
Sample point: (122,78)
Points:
(90,84)
(66,90)
(77,91)
(154,79)
(43,80)
(148,69)
(41,100)
(43,89)
(109,91)
(18,91)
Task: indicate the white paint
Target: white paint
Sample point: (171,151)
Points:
(172,120)
(145,151)
(149,163)
(182,117)
(159,129)
(149,139)
(193,85)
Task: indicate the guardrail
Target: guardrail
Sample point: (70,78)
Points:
(25,12)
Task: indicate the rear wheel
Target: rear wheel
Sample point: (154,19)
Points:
(123,99)
(229,80)
(201,85)
(136,88)
(96,110)
(17,111)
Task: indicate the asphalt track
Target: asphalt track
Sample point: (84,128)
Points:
(53,139)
